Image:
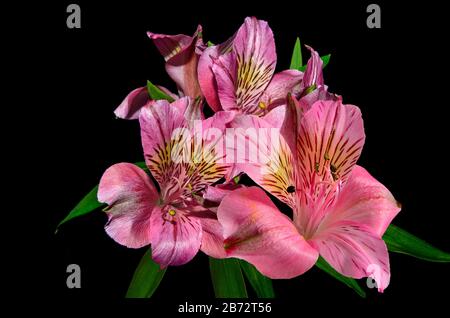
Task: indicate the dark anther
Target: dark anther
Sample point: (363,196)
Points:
(290,189)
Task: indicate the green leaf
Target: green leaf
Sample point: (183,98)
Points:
(260,283)
(350,282)
(325,60)
(209,43)
(89,203)
(400,241)
(156,94)
(146,278)
(142,165)
(296,59)
(227,278)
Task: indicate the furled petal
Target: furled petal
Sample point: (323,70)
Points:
(180,53)
(132,104)
(175,240)
(225,72)
(313,71)
(291,122)
(281,84)
(354,251)
(366,201)
(206,77)
(131,197)
(254,230)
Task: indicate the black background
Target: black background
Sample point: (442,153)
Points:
(393,74)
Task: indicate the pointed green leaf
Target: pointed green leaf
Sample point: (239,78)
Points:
(89,203)
(325,60)
(155,93)
(296,59)
(350,282)
(209,43)
(146,278)
(260,283)
(227,278)
(400,241)
(142,165)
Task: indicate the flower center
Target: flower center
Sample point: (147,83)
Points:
(262,105)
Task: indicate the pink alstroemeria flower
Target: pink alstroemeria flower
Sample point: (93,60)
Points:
(181,53)
(238,75)
(172,220)
(339,210)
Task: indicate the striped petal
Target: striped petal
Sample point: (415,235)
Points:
(179,154)
(313,72)
(206,77)
(158,121)
(330,141)
(175,239)
(243,74)
(263,154)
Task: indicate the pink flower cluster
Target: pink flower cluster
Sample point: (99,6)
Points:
(339,211)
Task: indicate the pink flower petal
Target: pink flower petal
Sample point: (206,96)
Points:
(282,83)
(158,121)
(366,201)
(330,141)
(225,72)
(276,116)
(174,242)
(254,230)
(216,193)
(131,197)
(243,74)
(254,47)
(313,71)
(354,251)
(262,153)
(206,77)
(180,53)
(177,151)
(212,237)
(132,104)
(320,93)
